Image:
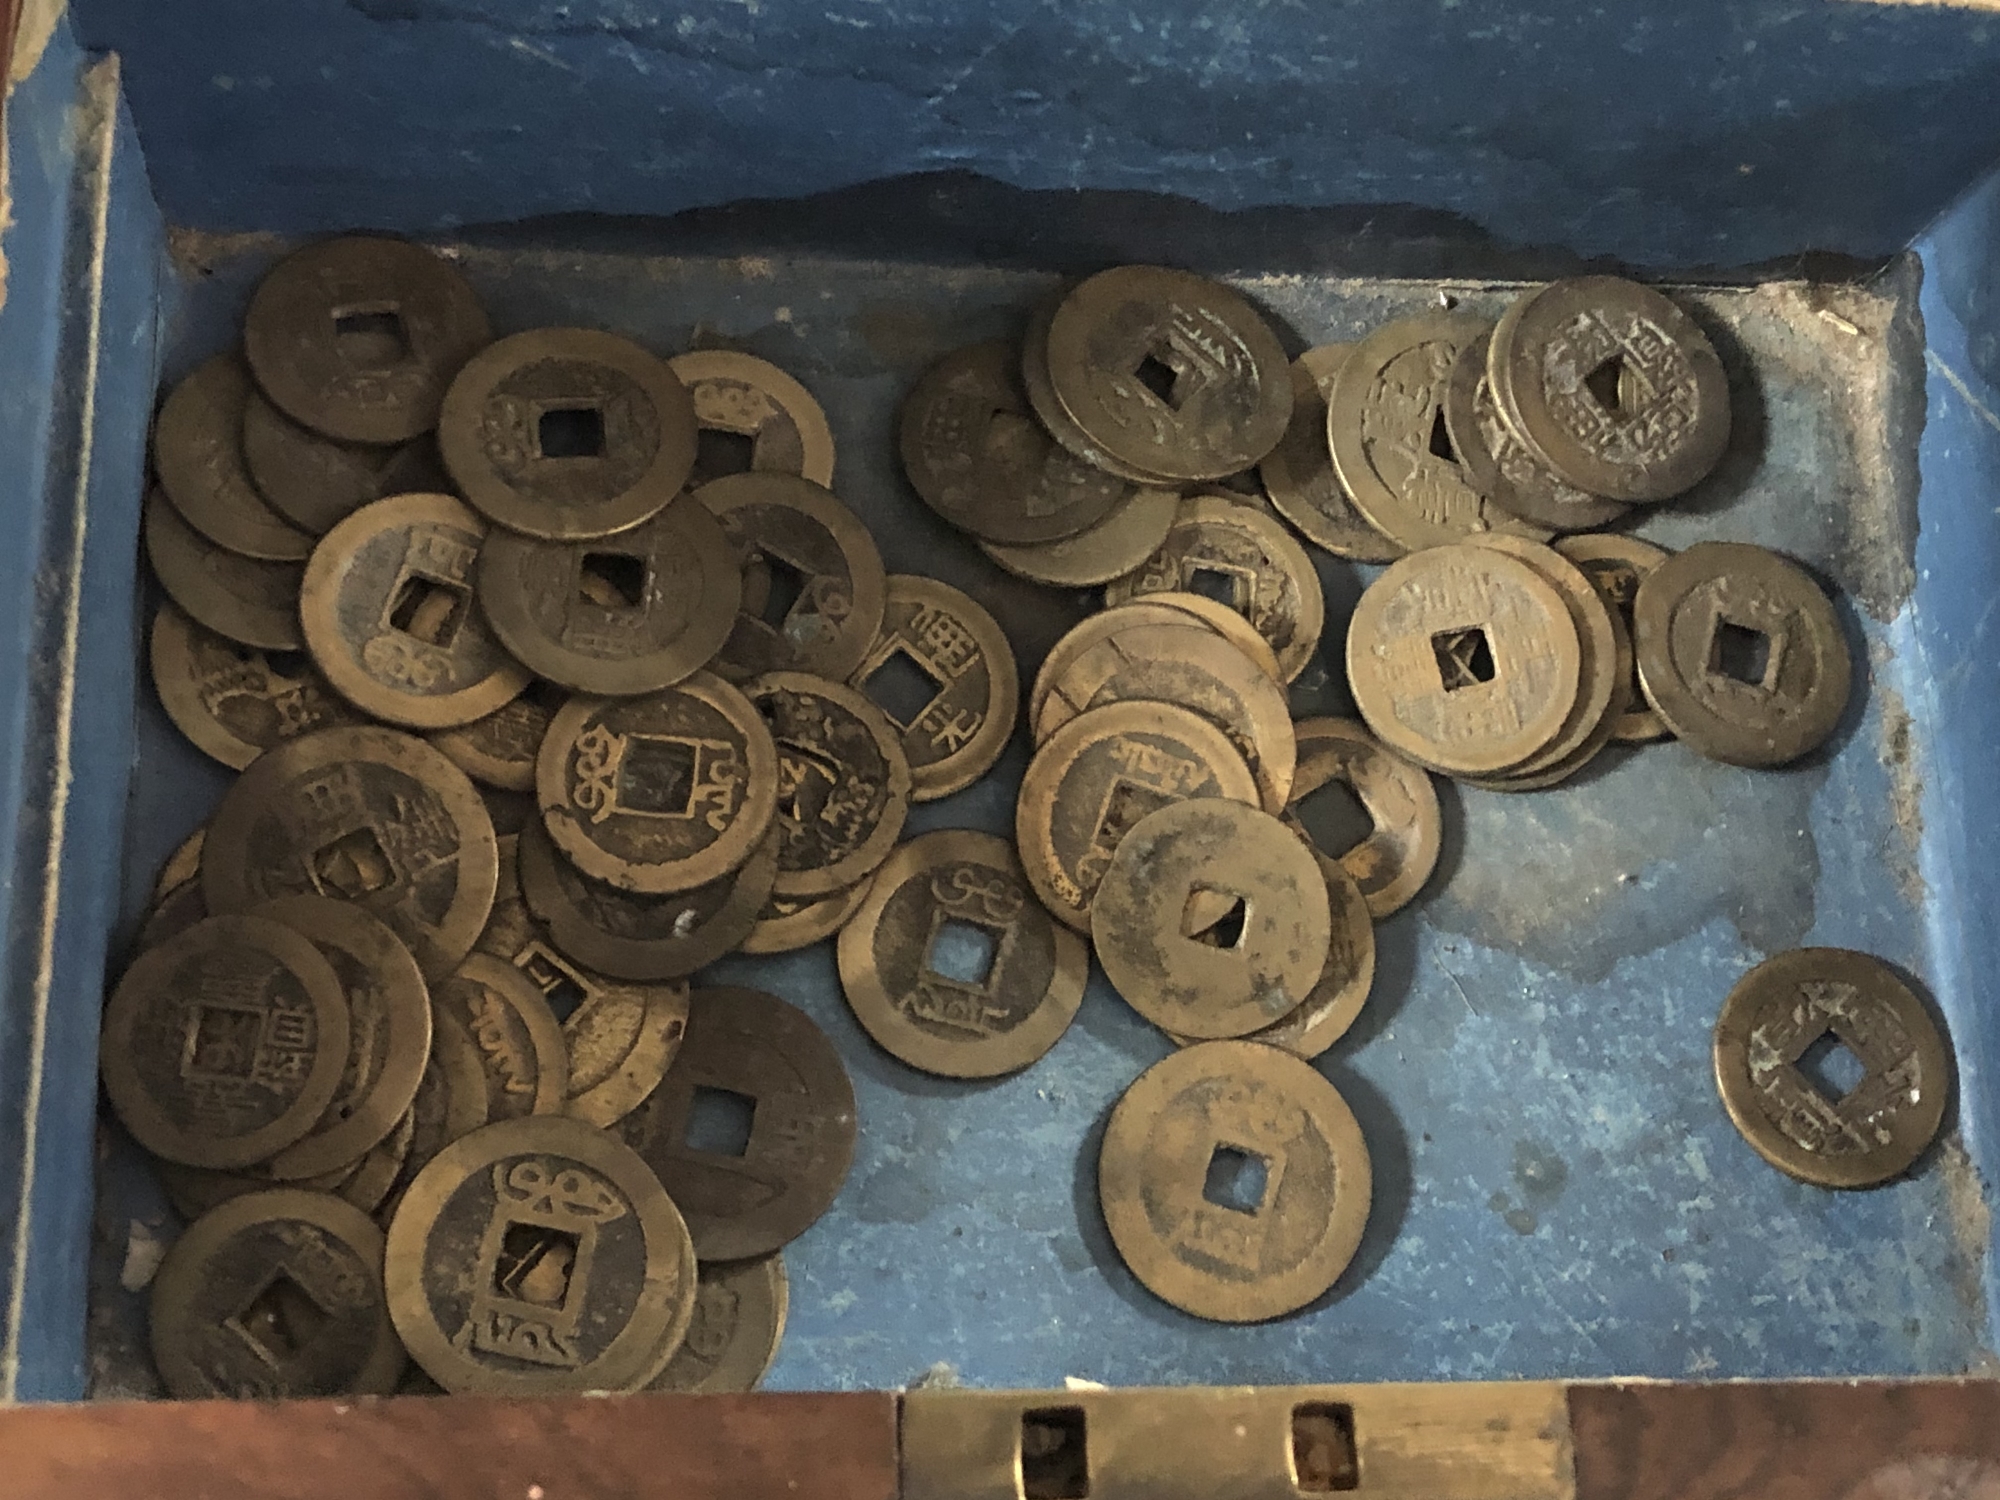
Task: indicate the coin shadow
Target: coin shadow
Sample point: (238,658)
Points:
(1749,427)
(1395,979)
(1391,1173)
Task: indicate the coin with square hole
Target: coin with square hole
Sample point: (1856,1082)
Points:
(357,337)
(1832,1067)
(366,815)
(789,923)
(234,702)
(739,1319)
(198,455)
(1048,407)
(520,1042)
(499,750)
(751,415)
(1234,1181)
(240,598)
(1359,802)
(1616,564)
(752,1129)
(1110,549)
(315,482)
(1299,476)
(953,966)
(1741,654)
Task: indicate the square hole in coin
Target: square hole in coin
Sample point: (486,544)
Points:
(772,588)
(570,432)
(1127,803)
(535,1264)
(1159,377)
(352,866)
(902,688)
(719,1121)
(1740,653)
(1831,1066)
(560,985)
(718,451)
(656,775)
(1324,1458)
(1224,587)
(1236,1179)
(1199,919)
(1009,432)
(1464,658)
(370,337)
(613,580)
(281,1319)
(1440,443)
(222,1042)
(1334,818)
(1055,1454)
(429,609)
(1606,385)
(963,952)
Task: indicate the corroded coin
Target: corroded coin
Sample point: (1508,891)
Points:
(315,482)
(275,1295)
(520,1041)
(812,579)
(1617,564)
(198,454)
(254,602)
(232,701)
(788,923)
(1110,549)
(1741,654)
(358,337)
(1234,1181)
(1364,805)
(661,793)
(752,1129)
(389,615)
(171,914)
(943,672)
(1048,407)
(1299,476)
(450,1105)
(1780,1024)
(953,966)
(1098,776)
(539,1257)
(375,1174)
(739,1318)
(626,614)
(363,815)
(752,416)
(500,749)
(567,433)
(226,1043)
(1153,610)
(1227,623)
(843,782)
(194,1191)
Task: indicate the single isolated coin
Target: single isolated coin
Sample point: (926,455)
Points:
(232,701)
(1110,549)
(239,598)
(1617,564)
(752,416)
(499,751)
(1299,476)
(739,1319)
(1362,804)
(315,482)
(198,453)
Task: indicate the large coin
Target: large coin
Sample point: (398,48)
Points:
(240,598)
(752,416)
(520,1041)
(234,702)
(1364,805)
(198,453)
(500,750)
(1299,476)
(1617,564)
(789,923)
(315,482)
(1110,549)
(739,1317)
(953,966)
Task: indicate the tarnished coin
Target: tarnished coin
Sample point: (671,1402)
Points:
(752,416)
(1240,556)
(226,1043)
(1740,653)
(1041,393)
(170,915)
(788,923)
(358,337)
(183,865)
(1364,805)
(1385,424)
(363,815)
(739,1318)
(1617,564)
(1298,474)
(567,433)
(1464,659)
(1228,624)
(843,782)
(1612,386)
(975,454)
(1169,372)
(499,750)
(539,1257)
(389,615)
(1110,549)
(661,793)
(254,602)
(275,1295)
(450,1105)
(510,811)
(520,1041)
(812,579)
(752,1129)
(194,1191)
(198,453)
(315,482)
(1785,1020)
(1153,610)
(232,701)
(943,673)
(1098,776)
(953,966)
(1234,1181)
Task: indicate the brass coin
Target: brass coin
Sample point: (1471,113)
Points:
(1055,418)
(225,1044)
(1194,668)
(1169,372)
(254,602)
(975,454)
(1775,1024)
(1612,386)
(1246,559)
(661,793)
(1234,1181)
(943,673)
(315,482)
(1392,857)
(363,815)
(739,1318)
(1098,776)
(275,1295)
(1092,631)
(375,1174)
(953,966)
(388,1034)
(567,433)
(752,1129)
(450,1105)
(1225,622)
(520,1041)
(499,750)
(1740,653)
(182,866)
(172,914)
(234,702)
(1110,549)
(1464,659)
(389,616)
(194,1191)
(358,337)
(843,782)
(1616,564)
(753,416)
(539,1257)
(1298,474)
(789,923)
(812,579)
(198,453)
(1391,447)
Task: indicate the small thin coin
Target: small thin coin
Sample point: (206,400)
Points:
(1055,418)
(232,701)
(539,1257)
(254,602)
(1617,564)
(1299,476)
(198,454)
(1234,1181)
(739,1319)
(520,1041)
(275,1295)
(315,482)
(1110,549)
(951,964)
(752,1129)
(789,923)
(567,433)
(499,750)
(1361,803)
(752,415)
(943,672)
(1775,1025)
(357,337)
(171,914)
